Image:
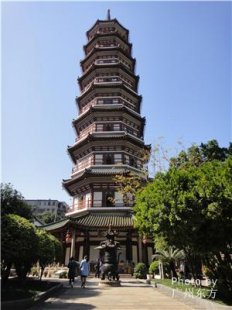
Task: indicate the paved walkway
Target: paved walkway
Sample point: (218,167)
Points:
(132,294)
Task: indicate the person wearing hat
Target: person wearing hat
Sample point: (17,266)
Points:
(72,266)
(84,269)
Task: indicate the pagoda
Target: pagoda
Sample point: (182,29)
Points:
(109,142)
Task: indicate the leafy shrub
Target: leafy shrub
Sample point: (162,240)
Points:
(154,267)
(140,271)
(63,275)
(34,271)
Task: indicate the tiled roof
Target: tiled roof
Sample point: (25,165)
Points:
(104,220)
(107,170)
(95,220)
(99,171)
(113,107)
(56,225)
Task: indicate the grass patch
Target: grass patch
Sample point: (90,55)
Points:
(205,292)
(14,289)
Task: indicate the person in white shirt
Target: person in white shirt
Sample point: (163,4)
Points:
(84,269)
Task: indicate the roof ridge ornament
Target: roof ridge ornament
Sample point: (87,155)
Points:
(108,14)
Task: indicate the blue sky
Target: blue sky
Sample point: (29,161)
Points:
(183,54)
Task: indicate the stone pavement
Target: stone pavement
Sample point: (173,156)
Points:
(132,294)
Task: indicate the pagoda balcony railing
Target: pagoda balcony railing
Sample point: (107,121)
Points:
(108,30)
(107,100)
(117,129)
(107,45)
(106,61)
(100,82)
(100,204)
(112,80)
(111,61)
(100,101)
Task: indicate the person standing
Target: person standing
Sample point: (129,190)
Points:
(84,269)
(98,268)
(72,266)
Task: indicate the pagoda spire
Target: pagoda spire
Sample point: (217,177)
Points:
(108,14)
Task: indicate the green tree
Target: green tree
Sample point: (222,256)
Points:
(170,256)
(190,207)
(197,155)
(50,249)
(131,181)
(58,249)
(47,217)
(12,202)
(19,245)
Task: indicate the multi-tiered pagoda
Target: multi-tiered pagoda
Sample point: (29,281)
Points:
(109,142)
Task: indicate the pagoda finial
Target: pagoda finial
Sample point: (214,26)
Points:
(108,14)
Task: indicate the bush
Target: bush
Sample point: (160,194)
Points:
(63,275)
(154,267)
(140,271)
(19,243)
(34,271)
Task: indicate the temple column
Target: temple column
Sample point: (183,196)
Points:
(140,249)
(73,243)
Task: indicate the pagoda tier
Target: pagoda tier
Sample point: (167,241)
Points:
(108,75)
(99,56)
(107,26)
(109,95)
(95,146)
(109,119)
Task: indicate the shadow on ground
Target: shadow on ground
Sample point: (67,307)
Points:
(64,298)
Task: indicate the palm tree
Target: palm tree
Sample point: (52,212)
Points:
(170,256)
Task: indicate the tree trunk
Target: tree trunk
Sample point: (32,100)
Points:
(173,270)
(41,273)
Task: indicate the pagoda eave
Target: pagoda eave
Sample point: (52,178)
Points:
(114,88)
(113,34)
(96,174)
(110,108)
(104,22)
(122,135)
(111,66)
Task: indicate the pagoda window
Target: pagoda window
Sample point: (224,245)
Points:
(100,101)
(109,199)
(117,127)
(107,101)
(108,127)
(88,200)
(97,199)
(99,127)
(117,158)
(75,203)
(118,199)
(98,159)
(132,162)
(109,159)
